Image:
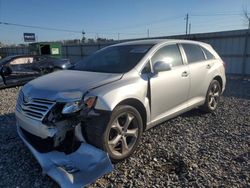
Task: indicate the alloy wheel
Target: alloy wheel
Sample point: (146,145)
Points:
(214,96)
(123,134)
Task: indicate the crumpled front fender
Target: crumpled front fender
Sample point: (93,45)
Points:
(74,170)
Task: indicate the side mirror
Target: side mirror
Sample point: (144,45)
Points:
(6,71)
(161,66)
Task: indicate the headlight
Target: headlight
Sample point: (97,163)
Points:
(76,106)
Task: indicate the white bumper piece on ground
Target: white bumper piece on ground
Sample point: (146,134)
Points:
(74,170)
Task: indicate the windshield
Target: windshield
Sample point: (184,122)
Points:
(114,59)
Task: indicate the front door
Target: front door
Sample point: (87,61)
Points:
(169,89)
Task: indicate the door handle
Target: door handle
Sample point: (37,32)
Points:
(208,66)
(184,74)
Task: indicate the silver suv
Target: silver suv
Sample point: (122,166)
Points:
(111,97)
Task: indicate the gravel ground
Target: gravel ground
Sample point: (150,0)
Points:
(192,150)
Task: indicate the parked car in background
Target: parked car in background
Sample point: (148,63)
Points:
(117,93)
(19,69)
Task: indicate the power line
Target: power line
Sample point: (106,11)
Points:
(217,14)
(40,27)
(147,23)
(166,20)
(64,30)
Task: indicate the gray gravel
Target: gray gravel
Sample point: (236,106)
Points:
(194,149)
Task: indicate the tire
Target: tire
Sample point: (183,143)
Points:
(120,137)
(212,97)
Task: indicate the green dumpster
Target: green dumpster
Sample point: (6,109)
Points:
(46,48)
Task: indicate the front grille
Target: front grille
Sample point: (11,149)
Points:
(33,108)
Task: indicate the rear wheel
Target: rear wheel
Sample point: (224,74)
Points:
(122,134)
(212,97)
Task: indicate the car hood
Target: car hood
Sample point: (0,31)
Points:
(67,85)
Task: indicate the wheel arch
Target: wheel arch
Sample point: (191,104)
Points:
(138,105)
(219,79)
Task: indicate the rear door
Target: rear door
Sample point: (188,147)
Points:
(199,67)
(22,71)
(169,89)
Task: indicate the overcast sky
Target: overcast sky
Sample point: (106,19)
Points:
(107,18)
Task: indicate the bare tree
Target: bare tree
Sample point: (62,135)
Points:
(246,16)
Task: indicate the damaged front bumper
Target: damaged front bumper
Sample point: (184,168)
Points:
(75,169)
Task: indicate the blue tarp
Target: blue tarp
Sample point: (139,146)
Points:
(75,170)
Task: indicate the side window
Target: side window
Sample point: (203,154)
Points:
(19,64)
(21,61)
(209,55)
(193,53)
(170,54)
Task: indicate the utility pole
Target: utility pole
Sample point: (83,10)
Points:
(118,36)
(83,37)
(148,32)
(189,29)
(186,18)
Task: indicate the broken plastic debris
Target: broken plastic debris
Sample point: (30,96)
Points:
(75,170)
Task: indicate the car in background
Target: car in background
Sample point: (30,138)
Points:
(19,69)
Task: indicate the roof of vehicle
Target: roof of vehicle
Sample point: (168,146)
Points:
(156,41)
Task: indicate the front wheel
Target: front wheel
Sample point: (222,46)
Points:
(212,97)
(121,136)
(123,133)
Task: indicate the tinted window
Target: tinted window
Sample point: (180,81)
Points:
(114,59)
(208,54)
(170,54)
(193,53)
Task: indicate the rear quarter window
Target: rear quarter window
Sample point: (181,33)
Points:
(193,52)
(208,54)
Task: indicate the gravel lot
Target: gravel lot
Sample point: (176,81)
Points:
(194,149)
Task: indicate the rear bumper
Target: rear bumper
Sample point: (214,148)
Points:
(77,169)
